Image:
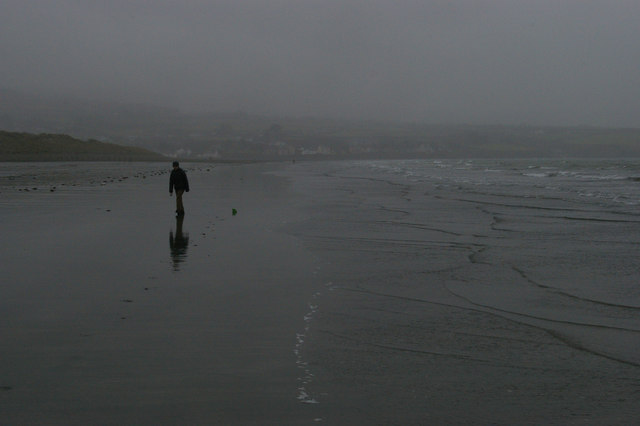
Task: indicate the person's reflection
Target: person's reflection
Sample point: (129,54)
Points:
(178,244)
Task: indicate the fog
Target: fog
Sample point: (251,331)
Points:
(555,62)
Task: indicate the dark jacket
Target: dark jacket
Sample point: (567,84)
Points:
(178,180)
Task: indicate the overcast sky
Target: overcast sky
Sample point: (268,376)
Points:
(455,61)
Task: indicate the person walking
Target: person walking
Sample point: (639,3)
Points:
(179,181)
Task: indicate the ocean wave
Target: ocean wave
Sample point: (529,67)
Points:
(601,182)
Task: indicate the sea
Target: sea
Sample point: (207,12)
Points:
(608,183)
(550,243)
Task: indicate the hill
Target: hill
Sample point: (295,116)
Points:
(241,136)
(56,147)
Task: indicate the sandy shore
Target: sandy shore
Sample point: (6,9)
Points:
(104,322)
(328,299)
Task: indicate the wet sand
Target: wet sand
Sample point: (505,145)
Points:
(106,321)
(328,299)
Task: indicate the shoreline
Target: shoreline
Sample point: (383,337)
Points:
(467,305)
(335,296)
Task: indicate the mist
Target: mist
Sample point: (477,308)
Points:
(477,62)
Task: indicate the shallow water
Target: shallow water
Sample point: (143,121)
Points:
(610,182)
(497,268)
(568,231)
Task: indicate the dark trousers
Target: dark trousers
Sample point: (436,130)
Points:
(179,206)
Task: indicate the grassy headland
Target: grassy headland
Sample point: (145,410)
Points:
(56,147)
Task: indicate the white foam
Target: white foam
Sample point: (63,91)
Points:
(307,376)
(305,398)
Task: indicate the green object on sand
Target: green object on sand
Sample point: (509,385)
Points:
(234,212)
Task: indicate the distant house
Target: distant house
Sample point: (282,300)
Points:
(324,150)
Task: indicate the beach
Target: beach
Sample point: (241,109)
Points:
(105,322)
(345,292)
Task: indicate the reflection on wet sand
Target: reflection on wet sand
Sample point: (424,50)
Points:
(178,244)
